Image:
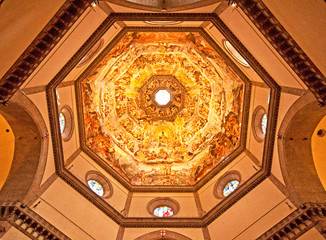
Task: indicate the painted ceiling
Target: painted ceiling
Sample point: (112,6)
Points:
(172,144)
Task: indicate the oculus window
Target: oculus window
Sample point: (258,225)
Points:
(162,97)
(259,124)
(163,211)
(66,123)
(234,53)
(230,187)
(96,187)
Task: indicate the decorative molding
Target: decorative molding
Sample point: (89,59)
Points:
(286,46)
(91,53)
(223,180)
(206,234)
(200,209)
(164,235)
(256,125)
(125,211)
(102,180)
(163,201)
(213,172)
(42,88)
(296,223)
(29,222)
(120,234)
(68,115)
(284,89)
(225,204)
(42,45)
(156,6)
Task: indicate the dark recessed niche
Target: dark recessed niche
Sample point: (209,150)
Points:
(321,133)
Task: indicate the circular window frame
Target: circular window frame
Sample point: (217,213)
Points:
(91,53)
(245,64)
(69,123)
(256,125)
(223,181)
(161,202)
(163,23)
(102,180)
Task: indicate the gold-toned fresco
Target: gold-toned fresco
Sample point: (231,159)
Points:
(176,144)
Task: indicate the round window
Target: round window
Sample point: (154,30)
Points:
(91,53)
(264,123)
(163,207)
(62,122)
(99,184)
(230,187)
(96,187)
(66,123)
(163,22)
(227,184)
(234,53)
(259,123)
(163,211)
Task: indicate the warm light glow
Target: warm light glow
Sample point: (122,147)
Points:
(163,211)
(163,22)
(162,97)
(96,187)
(157,119)
(230,187)
(7,149)
(234,53)
(264,123)
(62,122)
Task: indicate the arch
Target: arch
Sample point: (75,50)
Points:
(7,148)
(169,235)
(295,154)
(31,149)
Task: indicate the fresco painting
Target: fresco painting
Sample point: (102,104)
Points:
(172,145)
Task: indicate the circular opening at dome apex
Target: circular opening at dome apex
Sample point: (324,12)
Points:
(162,97)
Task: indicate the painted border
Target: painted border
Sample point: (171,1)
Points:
(227,160)
(217,210)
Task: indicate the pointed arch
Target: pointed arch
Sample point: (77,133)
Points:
(295,153)
(31,149)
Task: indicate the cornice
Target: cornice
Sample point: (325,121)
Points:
(41,46)
(296,223)
(209,217)
(213,172)
(259,15)
(286,46)
(29,222)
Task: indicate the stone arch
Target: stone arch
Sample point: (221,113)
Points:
(169,235)
(295,154)
(31,149)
